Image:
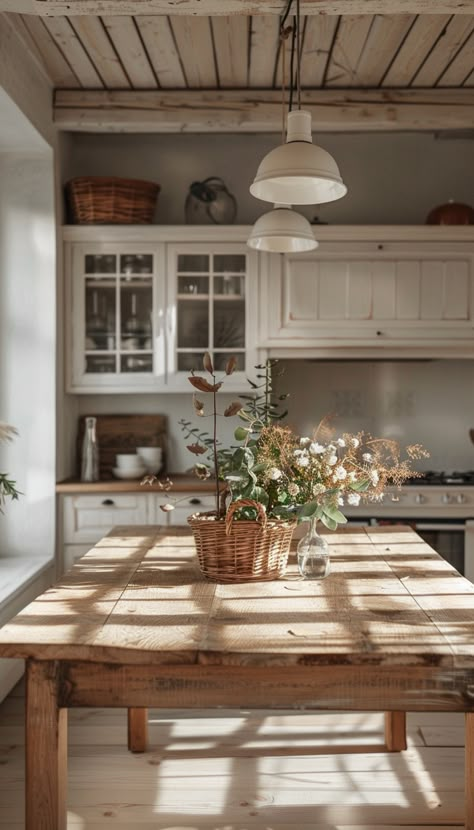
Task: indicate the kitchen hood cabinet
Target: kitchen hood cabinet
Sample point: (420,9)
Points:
(143,305)
(362,297)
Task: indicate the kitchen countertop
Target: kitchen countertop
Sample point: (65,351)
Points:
(182,482)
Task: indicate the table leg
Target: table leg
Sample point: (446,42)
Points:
(469,772)
(137,730)
(395,731)
(46,749)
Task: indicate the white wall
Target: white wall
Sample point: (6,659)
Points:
(28,348)
(431,402)
(392,178)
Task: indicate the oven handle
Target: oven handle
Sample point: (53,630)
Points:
(453,527)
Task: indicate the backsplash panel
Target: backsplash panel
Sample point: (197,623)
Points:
(431,402)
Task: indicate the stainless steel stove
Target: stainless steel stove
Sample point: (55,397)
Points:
(439,506)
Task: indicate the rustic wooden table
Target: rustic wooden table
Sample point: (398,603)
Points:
(135,625)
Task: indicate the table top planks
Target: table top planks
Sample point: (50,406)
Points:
(138,597)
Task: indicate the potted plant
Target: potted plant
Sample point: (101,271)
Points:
(274,478)
(7,485)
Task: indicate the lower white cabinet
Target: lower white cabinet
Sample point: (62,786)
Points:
(87,518)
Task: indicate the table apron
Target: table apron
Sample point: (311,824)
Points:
(346,687)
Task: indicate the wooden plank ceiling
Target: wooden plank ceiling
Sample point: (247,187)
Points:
(152,52)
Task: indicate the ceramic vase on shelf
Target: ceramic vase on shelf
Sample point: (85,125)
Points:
(313,554)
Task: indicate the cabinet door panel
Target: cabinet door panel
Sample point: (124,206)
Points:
(408,290)
(432,290)
(383,290)
(333,290)
(301,290)
(457,291)
(360,291)
(88,518)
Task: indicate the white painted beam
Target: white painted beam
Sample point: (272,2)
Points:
(226,7)
(248,111)
(24,80)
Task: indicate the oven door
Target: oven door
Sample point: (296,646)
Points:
(446,537)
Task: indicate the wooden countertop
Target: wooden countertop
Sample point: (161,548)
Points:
(182,483)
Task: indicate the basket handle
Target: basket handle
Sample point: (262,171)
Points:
(236,505)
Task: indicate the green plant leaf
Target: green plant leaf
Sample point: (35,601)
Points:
(334,514)
(331,524)
(240,433)
(309,510)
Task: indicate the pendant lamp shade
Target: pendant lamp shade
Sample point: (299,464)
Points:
(298,172)
(282,231)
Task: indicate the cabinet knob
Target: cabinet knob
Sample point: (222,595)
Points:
(379,333)
(108,502)
(195,501)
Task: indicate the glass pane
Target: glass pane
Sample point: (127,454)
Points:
(136,264)
(136,363)
(136,307)
(190,362)
(221,358)
(100,314)
(193,285)
(193,263)
(235,263)
(230,286)
(193,324)
(98,364)
(229,324)
(101,263)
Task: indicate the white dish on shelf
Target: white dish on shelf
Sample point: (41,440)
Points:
(129,473)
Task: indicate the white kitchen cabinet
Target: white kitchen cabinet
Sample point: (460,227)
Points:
(117,305)
(88,517)
(366,294)
(145,303)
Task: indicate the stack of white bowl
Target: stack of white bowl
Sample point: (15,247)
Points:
(134,465)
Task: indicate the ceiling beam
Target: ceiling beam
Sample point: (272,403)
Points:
(249,111)
(226,7)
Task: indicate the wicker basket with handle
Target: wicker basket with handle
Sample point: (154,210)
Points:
(96,200)
(243,551)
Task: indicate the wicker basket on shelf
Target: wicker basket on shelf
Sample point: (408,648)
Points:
(241,551)
(99,200)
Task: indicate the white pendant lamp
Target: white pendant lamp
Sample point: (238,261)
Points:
(282,231)
(298,172)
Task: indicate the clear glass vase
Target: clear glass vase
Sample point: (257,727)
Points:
(313,554)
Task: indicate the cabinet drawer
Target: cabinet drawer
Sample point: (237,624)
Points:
(88,518)
(188,503)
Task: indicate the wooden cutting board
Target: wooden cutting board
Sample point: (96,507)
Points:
(122,434)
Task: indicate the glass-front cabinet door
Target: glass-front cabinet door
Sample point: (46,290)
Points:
(118,302)
(208,311)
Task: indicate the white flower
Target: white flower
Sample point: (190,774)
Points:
(293,488)
(340,442)
(318,489)
(376,497)
(299,452)
(367,456)
(352,476)
(304,442)
(354,499)
(374,477)
(340,473)
(302,461)
(340,501)
(332,460)
(355,442)
(316,449)
(274,473)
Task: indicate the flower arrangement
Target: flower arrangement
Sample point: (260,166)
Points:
(294,478)
(7,485)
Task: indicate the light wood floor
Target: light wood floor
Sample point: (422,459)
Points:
(259,771)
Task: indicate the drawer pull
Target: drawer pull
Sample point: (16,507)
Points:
(108,502)
(195,501)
